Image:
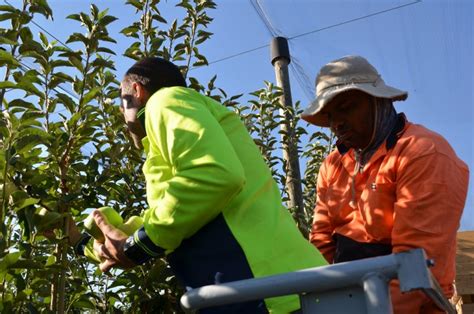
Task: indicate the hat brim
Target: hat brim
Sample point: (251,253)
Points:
(313,115)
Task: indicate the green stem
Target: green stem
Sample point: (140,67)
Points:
(3,208)
(190,55)
(146,30)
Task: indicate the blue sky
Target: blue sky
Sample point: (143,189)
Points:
(423,47)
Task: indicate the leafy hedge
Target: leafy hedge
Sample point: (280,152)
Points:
(64,150)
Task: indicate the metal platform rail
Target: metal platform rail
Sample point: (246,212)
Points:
(361,286)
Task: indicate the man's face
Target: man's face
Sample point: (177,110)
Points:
(131,102)
(351,118)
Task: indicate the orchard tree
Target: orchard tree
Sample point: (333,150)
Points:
(65,151)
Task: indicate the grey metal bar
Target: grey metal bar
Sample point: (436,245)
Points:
(341,301)
(316,279)
(377,294)
(417,276)
(410,268)
(438,297)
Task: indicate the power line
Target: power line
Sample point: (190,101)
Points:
(42,28)
(271,29)
(295,65)
(269,26)
(354,20)
(24,65)
(317,30)
(238,54)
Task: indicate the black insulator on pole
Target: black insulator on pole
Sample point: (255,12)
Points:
(279,49)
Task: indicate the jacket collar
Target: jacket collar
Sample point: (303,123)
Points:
(392,138)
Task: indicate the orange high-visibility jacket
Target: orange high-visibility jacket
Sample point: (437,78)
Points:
(410,194)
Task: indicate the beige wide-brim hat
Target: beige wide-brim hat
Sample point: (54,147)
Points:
(341,75)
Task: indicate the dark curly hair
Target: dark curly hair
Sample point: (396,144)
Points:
(153,73)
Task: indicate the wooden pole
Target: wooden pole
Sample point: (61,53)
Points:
(280,60)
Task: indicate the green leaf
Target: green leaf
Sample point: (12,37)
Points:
(90,95)
(20,103)
(106,50)
(86,20)
(109,39)
(135,3)
(29,87)
(106,20)
(94,11)
(45,136)
(84,303)
(66,101)
(185,4)
(6,41)
(7,16)
(42,7)
(6,84)
(27,142)
(9,259)
(26,264)
(130,30)
(76,62)
(26,202)
(26,35)
(44,39)
(7,8)
(74,17)
(99,62)
(34,48)
(62,75)
(159,18)
(7,58)
(103,13)
(51,260)
(59,63)
(77,37)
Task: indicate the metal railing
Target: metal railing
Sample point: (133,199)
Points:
(362,286)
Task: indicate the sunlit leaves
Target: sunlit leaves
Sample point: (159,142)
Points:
(64,147)
(177,41)
(7,59)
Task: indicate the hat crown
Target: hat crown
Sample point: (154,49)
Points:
(345,71)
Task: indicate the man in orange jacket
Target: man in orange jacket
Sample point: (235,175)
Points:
(390,186)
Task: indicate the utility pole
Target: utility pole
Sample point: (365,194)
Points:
(280,58)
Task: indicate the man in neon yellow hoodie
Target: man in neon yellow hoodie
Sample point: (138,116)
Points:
(214,211)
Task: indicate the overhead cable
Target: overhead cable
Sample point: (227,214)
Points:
(42,28)
(317,30)
(354,20)
(274,32)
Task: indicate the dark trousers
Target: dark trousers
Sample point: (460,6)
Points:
(213,256)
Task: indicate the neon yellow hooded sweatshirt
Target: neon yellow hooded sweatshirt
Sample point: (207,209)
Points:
(200,163)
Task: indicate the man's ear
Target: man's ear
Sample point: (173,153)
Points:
(140,92)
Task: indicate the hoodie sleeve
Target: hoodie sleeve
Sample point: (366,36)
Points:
(192,170)
(322,228)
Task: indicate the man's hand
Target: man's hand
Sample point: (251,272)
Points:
(111,251)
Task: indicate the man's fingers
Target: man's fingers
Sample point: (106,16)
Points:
(101,250)
(102,223)
(106,265)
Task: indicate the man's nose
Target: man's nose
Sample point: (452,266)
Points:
(335,122)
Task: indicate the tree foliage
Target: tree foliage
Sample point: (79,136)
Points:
(65,151)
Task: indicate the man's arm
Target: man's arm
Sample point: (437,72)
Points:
(431,192)
(322,229)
